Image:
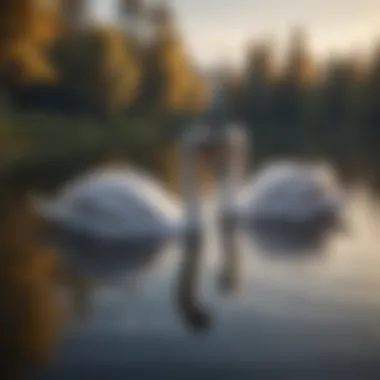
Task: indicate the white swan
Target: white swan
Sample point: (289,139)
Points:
(124,205)
(113,221)
(287,191)
(282,194)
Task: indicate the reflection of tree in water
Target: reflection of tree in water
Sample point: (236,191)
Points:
(29,307)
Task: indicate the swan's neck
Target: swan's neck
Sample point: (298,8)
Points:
(233,170)
(189,186)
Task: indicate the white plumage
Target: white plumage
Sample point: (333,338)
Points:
(127,205)
(288,190)
(117,204)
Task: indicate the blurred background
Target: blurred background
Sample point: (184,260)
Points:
(91,83)
(305,80)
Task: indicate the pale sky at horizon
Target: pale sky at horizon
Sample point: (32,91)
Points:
(220,29)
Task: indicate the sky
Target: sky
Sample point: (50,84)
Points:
(222,29)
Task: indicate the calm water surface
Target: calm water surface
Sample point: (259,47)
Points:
(316,318)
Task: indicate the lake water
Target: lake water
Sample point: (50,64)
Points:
(315,318)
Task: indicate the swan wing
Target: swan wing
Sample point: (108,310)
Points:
(271,180)
(114,203)
(289,190)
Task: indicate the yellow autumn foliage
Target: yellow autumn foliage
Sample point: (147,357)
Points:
(199,93)
(32,65)
(179,85)
(25,28)
(300,68)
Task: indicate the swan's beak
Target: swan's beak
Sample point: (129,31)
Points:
(336,202)
(43,207)
(211,149)
(210,154)
(334,206)
(49,211)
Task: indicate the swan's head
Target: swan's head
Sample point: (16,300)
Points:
(206,141)
(217,143)
(236,135)
(197,137)
(235,142)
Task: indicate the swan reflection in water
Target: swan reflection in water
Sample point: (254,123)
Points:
(193,312)
(289,245)
(229,277)
(87,261)
(84,263)
(295,243)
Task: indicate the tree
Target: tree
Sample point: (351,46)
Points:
(341,131)
(72,12)
(259,81)
(373,88)
(296,78)
(292,98)
(372,110)
(171,85)
(98,66)
(24,27)
(341,86)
